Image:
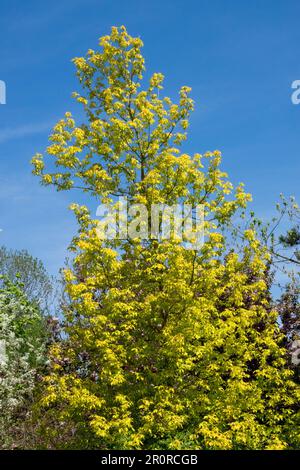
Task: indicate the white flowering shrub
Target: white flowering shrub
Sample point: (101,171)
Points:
(22,340)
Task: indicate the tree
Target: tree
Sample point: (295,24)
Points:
(164,347)
(288,305)
(22,357)
(283,247)
(37,284)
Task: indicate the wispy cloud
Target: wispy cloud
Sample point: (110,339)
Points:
(23,131)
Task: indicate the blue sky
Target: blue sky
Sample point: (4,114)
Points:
(240,58)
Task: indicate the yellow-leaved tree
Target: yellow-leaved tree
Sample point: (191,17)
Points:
(164,347)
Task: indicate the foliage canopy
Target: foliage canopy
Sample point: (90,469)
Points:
(165,347)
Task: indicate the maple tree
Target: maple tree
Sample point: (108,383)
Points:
(164,347)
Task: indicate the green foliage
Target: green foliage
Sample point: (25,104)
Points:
(37,284)
(292,238)
(23,356)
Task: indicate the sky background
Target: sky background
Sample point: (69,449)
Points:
(240,58)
